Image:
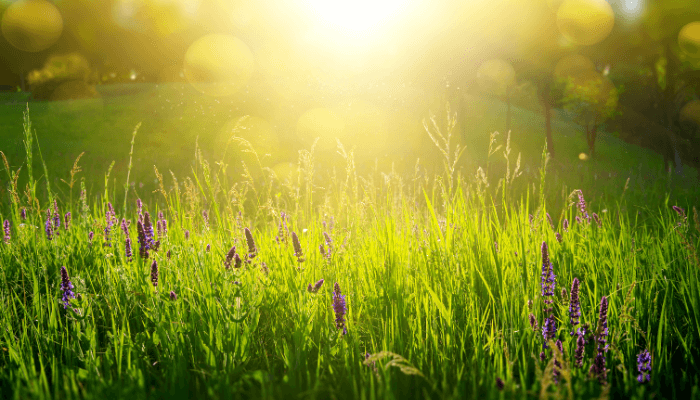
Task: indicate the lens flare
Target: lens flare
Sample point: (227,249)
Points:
(32,25)
(218,65)
(585,22)
(689,39)
(321,123)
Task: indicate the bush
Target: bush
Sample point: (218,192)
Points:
(63,77)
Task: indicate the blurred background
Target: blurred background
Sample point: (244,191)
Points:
(615,84)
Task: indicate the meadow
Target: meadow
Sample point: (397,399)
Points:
(496,276)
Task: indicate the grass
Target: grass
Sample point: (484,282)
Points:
(437,278)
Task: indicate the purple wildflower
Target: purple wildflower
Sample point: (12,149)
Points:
(127,249)
(316,287)
(187,234)
(499,383)
(91,235)
(154,274)
(340,308)
(6,228)
(173,296)
(681,214)
(558,236)
(23,214)
(143,242)
(582,206)
(598,368)
(48,228)
(644,366)
(549,330)
(66,287)
(229,257)
(148,228)
(252,249)
(56,217)
(208,248)
(125,227)
(565,225)
(596,218)
(298,253)
(548,278)
(578,353)
(551,223)
(237,262)
(574,305)
(107,236)
(67,220)
(578,220)
(533,322)
(139,206)
(556,371)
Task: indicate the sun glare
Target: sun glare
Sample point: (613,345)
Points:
(356,17)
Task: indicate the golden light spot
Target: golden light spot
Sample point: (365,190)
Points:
(572,66)
(689,39)
(495,76)
(321,123)
(585,22)
(583,156)
(32,25)
(218,65)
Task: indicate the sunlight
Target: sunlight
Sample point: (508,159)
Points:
(355,18)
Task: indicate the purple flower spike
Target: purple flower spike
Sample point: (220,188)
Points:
(91,235)
(56,217)
(173,296)
(598,368)
(6,229)
(23,214)
(596,218)
(315,287)
(565,225)
(67,288)
(499,383)
(187,234)
(229,257)
(67,220)
(578,354)
(143,241)
(574,305)
(127,249)
(558,236)
(644,366)
(582,206)
(154,274)
(548,278)
(551,223)
(48,228)
(340,308)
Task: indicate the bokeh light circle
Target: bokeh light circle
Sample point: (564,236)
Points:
(585,22)
(321,123)
(495,75)
(218,65)
(689,39)
(32,25)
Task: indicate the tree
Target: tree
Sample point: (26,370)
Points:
(592,98)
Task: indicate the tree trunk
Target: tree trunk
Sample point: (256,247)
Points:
(591,140)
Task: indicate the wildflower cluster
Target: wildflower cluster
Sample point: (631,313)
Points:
(340,308)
